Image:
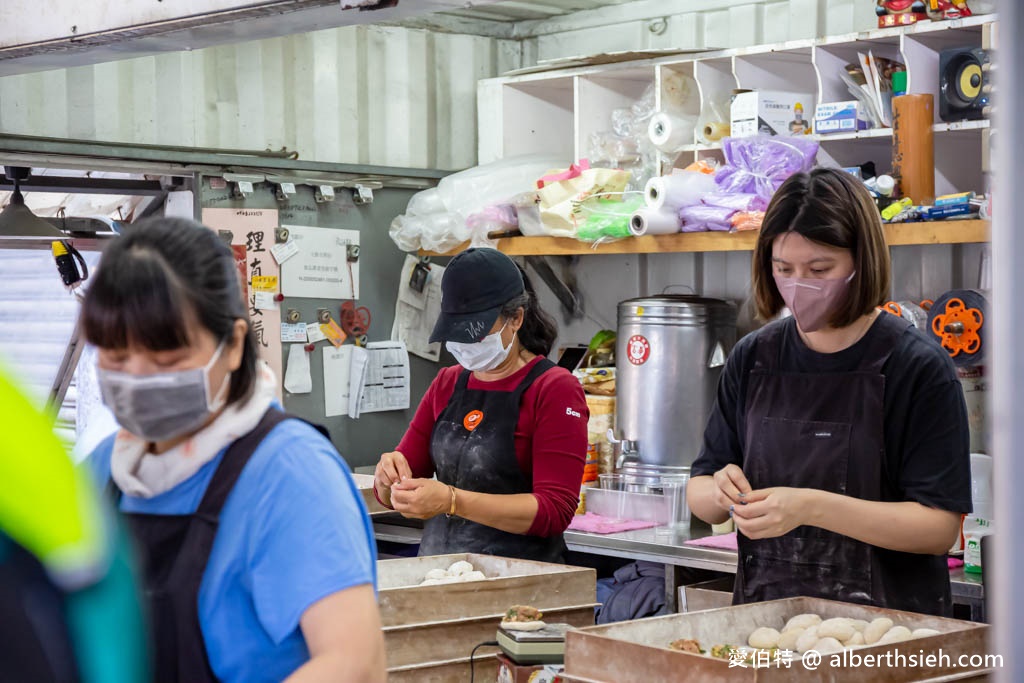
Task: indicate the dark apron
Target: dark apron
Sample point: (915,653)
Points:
(825,431)
(173,552)
(35,643)
(473,448)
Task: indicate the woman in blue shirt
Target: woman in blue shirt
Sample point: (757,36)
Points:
(257,552)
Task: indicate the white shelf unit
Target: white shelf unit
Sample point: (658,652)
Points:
(557,111)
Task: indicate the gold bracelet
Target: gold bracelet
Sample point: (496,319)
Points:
(451,509)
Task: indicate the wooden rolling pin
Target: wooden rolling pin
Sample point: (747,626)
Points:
(913,151)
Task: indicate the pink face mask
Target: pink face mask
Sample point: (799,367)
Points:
(812,301)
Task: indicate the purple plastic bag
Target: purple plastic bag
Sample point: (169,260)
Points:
(736,202)
(760,164)
(703,218)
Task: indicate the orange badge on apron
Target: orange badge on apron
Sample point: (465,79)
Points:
(472,420)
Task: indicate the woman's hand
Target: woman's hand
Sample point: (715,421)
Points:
(731,487)
(770,513)
(421,498)
(392,468)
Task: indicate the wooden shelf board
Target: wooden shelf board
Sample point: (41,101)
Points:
(937,232)
(900,234)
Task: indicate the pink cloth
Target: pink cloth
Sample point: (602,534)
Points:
(723,542)
(599,524)
(954,563)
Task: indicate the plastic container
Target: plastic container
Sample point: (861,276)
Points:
(612,482)
(974,529)
(981,486)
(677,511)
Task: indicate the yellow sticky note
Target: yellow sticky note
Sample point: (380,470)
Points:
(264,283)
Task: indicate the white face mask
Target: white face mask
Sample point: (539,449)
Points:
(484,355)
(163,405)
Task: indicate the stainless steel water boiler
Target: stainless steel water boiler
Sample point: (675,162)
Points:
(669,354)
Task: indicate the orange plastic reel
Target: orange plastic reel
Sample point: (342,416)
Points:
(957,328)
(894,308)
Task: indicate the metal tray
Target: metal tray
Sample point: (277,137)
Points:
(638,650)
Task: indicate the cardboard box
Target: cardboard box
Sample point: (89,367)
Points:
(839,117)
(771,113)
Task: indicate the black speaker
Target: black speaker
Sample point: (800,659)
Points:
(963,83)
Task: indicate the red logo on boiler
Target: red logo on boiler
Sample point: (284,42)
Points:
(638,349)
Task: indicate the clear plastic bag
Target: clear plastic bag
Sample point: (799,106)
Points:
(606,217)
(497,218)
(701,218)
(435,219)
(760,164)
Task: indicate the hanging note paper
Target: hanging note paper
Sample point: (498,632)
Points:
(297,377)
(264,301)
(284,251)
(293,333)
(314,333)
(264,283)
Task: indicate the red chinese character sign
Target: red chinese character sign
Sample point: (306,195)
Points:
(252,231)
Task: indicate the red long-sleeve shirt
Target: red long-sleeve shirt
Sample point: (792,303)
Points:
(550,438)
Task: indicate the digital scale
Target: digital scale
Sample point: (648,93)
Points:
(546,646)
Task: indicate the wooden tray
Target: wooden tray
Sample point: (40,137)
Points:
(638,650)
(510,582)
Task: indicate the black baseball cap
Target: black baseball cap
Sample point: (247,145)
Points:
(476,284)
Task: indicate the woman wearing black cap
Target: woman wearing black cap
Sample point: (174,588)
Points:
(505,431)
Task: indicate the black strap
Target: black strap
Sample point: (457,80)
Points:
(539,369)
(234,462)
(768,355)
(231,466)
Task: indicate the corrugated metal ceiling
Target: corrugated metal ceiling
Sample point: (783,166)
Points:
(528,10)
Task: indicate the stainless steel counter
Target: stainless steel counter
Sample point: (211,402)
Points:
(671,550)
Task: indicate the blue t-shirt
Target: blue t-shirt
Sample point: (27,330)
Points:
(293,530)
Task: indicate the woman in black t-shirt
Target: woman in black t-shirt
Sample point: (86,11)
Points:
(839,440)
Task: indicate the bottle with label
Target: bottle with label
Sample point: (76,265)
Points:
(974,529)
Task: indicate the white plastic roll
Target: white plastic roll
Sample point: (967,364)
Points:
(675,191)
(669,133)
(648,221)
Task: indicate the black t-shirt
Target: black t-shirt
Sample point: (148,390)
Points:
(927,443)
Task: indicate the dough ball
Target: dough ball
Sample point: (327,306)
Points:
(764,638)
(807,640)
(924,633)
(897,634)
(856,641)
(788,639)
(859,624)
(437,574)
(827,646)
(472,576)
(803,621)
(876,629)
(432,582)
(841,629)
(459,568)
